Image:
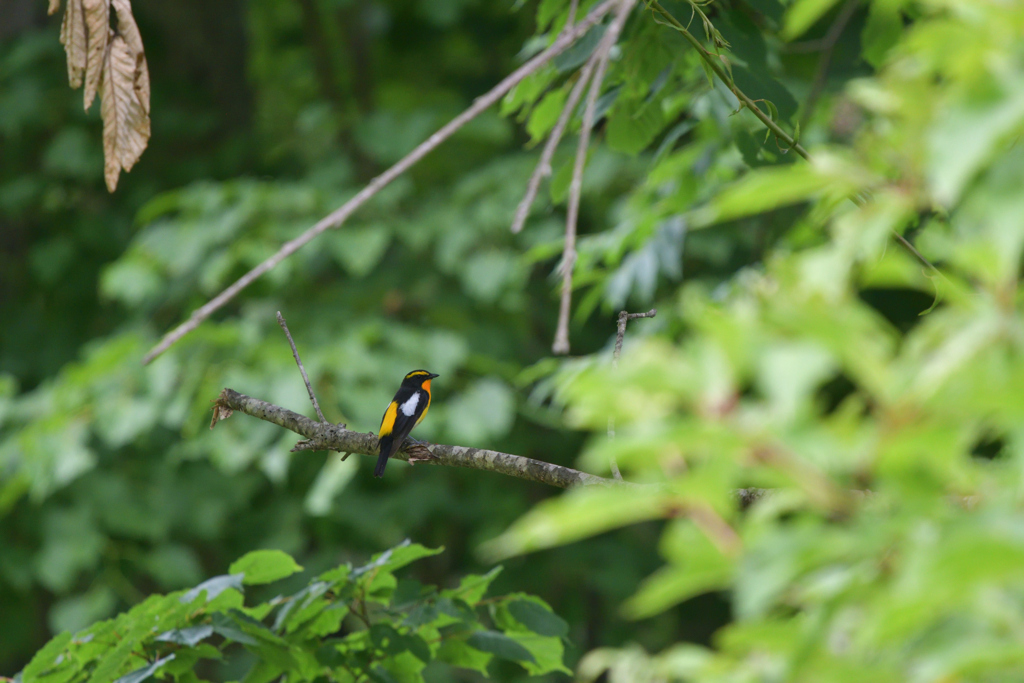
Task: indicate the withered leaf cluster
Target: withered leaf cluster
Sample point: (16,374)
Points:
(110,62)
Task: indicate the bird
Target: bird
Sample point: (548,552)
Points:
(406,410)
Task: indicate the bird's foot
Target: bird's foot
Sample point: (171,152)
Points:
(418,451)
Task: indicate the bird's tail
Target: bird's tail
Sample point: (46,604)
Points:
(382,459)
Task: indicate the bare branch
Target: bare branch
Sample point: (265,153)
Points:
(561,343)
(337,438)
(327,436)
(620,334)
(341,214)
(298,361)
(572,13)
(543,168)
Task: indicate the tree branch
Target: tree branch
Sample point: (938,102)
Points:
(620,331)
(341,214)
(561,343)
(327,436)
(543,168)
(302,369)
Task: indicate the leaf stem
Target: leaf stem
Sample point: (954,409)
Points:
(716,65)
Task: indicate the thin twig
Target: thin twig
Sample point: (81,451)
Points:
(561,343)
(572,13)
(298,361)
(543,168)
(821,72)
(620,334)
(341,214)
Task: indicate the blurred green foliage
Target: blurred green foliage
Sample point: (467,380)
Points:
(796,348)
(888,545)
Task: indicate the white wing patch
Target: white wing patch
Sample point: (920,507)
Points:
(409,407)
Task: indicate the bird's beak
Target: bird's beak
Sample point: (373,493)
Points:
(432,376)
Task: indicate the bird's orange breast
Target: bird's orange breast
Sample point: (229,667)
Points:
(426,388)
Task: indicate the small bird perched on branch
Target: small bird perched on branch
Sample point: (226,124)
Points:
(406,410)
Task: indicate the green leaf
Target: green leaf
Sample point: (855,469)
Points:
(113,661)
(145,672)
(46,658)
(263,671)
(334,476)
(325,623)
(548,653)
(764,190)
(881,31)
(580,50)
(230,630)
(457,609)
(488,275)
(379,674)
(545,114)
(359,249)
(802,15)
(500,645)
(456,652)
(420,615)
(538,618)
(214,587)
(402,554)
(472,588)
(671,585)
(417,647)
(403,668)
(264,566)
(574,515)
(482,413)
(968,135)
(547,10)
(338,575)
(186,636)
(633,126)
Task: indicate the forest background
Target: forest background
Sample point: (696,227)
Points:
(798,347)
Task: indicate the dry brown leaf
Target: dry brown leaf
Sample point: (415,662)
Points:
(97,20)
(54,6)
(127,27)
(113,62)
(125,120)
(73,36)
